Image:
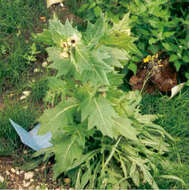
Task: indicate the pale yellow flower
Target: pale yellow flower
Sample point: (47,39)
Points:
(73,40)
(64,55)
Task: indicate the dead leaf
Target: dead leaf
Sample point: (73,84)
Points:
(176,89)
(52,2)
(159,76)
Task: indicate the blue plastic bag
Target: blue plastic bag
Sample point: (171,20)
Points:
(31,138)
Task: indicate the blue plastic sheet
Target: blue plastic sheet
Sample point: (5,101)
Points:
(31,138)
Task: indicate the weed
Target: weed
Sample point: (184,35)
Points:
(39,90)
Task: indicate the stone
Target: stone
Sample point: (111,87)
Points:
(26,184)
(13,170)
(44,64)
(28,175)
(2,179)
(37,187)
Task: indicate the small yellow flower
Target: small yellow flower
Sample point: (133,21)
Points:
(159,62)
(147,59)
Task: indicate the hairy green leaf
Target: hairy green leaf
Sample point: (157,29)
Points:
(100,114)
(54,119)
(67,150)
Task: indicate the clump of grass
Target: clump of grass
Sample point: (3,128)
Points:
(173,116)
(3,185)
(25,117)
(39,90)
(174,113)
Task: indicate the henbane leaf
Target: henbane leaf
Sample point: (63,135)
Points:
(123,25)
(124,127)
(54,119)
(94,32)
(100,114)
(66,152)
(93,68)
(63,66)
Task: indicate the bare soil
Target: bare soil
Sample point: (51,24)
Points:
(15,178)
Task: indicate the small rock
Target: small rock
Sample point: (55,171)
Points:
(28,175)
(21,172)
(37,187)
(26,93)
(26,184)
(36,170)
(44,64)
(2,179)
(31,180)
(7,172)
(17,172)
(23,97)
(36,70)
(32,187)
(13,170)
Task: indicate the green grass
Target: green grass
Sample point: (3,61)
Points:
(174,117)
(38,91)
(174,113)
(3,185)
(24,116)
(18,20)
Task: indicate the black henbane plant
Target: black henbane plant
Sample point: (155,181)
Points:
(100,139)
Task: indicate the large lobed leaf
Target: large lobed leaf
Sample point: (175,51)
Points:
(102,115)
(54,119)
(67,150)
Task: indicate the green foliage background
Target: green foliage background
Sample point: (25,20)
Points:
(158,25)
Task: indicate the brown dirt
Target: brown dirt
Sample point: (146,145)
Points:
(161,77)
(15,178)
